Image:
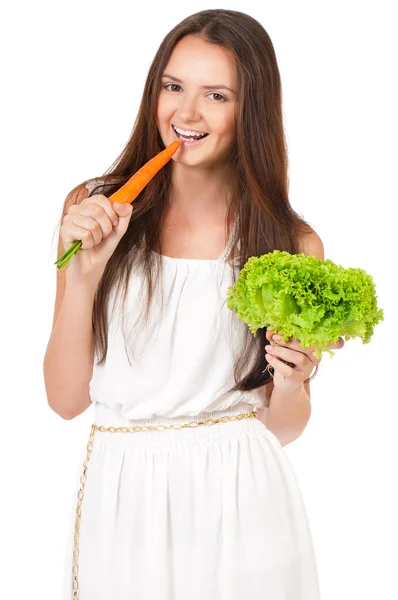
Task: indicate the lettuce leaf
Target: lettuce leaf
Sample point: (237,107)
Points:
(301,296)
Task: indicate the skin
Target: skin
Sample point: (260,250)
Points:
(199,173)
(303,359)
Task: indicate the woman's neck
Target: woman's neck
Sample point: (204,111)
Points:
(200,195)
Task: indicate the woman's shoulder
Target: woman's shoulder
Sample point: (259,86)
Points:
(312,245)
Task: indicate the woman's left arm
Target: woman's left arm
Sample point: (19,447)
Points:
(289,407)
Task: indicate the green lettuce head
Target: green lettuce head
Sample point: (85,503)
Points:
(300,296)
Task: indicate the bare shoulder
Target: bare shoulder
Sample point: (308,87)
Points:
(76,196)
(312,245)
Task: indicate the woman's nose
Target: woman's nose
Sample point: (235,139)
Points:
(188,109)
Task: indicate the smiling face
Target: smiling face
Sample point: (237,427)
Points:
(194,98)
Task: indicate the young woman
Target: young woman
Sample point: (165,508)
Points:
(186,492)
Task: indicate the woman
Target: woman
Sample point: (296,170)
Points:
(186,510)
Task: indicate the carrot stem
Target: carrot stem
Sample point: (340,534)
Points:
(65,258)
(129,191)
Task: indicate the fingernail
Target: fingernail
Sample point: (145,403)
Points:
(277,337)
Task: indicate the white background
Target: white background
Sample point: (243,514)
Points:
(73,74)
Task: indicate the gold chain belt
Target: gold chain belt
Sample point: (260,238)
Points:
(134,429)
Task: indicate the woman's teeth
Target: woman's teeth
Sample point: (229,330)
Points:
(189,136)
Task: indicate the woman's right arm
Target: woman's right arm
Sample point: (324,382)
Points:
(69,358)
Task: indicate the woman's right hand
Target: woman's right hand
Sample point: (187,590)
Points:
(99,224)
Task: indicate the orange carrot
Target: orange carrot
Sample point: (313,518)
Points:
(129,191)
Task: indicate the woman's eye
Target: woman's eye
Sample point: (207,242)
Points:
(220,96)
(167,85)
(216,94)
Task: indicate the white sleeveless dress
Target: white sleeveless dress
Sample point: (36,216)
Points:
(205,513)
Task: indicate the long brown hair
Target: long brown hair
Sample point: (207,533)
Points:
(259,175)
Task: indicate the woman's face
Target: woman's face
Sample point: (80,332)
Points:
(194,97)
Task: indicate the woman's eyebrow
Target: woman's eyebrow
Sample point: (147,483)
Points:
(204,87)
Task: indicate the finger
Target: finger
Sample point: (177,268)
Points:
(337,345)
(89,203)
(268,337)
(99,214)
(124,211)
(106,204)
(78,233)
(294,344)
(268,334)
(299,359)
(283,369)
(91,225)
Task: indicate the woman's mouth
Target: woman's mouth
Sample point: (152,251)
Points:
(189,140)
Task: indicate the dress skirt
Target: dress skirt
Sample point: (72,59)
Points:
(204,513)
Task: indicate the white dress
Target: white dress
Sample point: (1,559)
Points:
(205,513)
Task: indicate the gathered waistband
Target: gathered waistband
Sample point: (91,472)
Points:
(240,417)
(107,417)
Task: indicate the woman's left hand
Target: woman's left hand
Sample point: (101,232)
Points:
(301,361)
